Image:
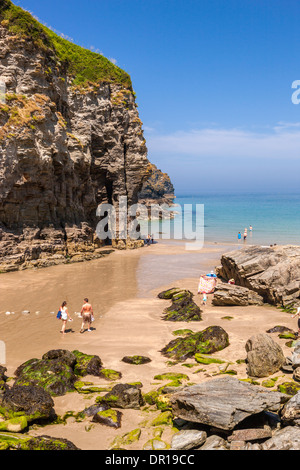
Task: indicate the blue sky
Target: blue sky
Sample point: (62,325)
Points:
(213,80)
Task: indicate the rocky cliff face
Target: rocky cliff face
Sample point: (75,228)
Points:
(66,145)
(158,186)
(157,190)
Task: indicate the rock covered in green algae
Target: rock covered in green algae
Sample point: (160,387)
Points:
(168,294)
(123,396)
(10,441)
(17,424)
(64,355)
(203,359)
(87,364)
(183,308)
(30,401)
(58,370)
(89,387)
(171,376)
(164,418)
(290,388)
(94,409)
(110,374)
(109,417)
(136,360)
(54,375)
(208,341)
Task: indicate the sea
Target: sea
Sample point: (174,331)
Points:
(218,218)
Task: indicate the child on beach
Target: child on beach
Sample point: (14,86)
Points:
(204,299)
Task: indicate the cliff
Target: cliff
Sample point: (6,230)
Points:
(70,139)
(158,186)
(157,189)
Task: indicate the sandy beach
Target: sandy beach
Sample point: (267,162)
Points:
(122,288)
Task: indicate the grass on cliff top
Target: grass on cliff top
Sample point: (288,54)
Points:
(84,65)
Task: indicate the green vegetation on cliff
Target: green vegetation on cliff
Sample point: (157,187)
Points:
(82,64)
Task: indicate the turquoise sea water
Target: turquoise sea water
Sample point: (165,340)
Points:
(275,218)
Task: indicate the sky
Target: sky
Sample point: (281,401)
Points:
(213,80)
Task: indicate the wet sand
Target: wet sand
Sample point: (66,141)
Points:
(123,289)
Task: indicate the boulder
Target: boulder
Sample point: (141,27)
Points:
(12,441)
(54,375)
(291,412)
(136,360)
(214,443)
(188,439)
(183,308)
(264,356)
(272,272)
(232,295)
(224,402)
(87,364)
(31,401)
(208,341)
(123,396)
(287,438)
(168,294)
(109,417)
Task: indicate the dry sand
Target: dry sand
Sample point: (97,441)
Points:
(123,289)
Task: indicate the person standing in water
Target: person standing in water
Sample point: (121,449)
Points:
(87,315)
(64,316)
(239,236)
(245,234)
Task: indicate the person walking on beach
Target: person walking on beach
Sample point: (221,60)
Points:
(87,315)
(297,315)
(64,316)
(204,299)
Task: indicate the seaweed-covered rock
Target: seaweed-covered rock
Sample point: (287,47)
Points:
(89,387)
(31,401)
(87,364)
(168,294)
(49,443)
(11,441)
(109,417)
(280,329)
(123,396)
(65,356)
(54,375)
(17,424)
(183,308)
(136,360)
(290,388)
(208,341)
(94,409)
(110,374)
